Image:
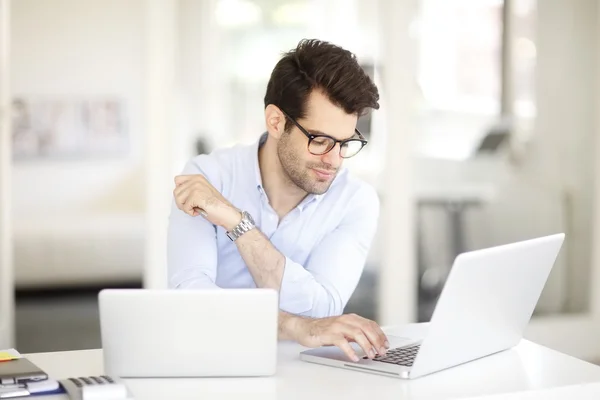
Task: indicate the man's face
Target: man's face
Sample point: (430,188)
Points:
(315,173)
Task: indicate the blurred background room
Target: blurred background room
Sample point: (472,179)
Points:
(487,134)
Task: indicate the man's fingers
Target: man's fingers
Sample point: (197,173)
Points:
(191,208)
(181,179)
(375,335)
(372,331)
(346,348)
(179,188)
(186,203)
(382,336)
(357,335)
(186,198)
(181,197)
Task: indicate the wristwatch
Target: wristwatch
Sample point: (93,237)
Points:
(244,226)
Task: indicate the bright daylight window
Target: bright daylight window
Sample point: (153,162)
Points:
(459,75)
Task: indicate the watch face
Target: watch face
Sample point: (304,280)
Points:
(247,216)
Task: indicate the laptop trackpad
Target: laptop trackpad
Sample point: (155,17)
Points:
(401,341)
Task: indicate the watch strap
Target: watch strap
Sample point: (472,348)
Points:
(244,226)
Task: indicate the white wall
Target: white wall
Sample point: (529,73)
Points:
(72,48)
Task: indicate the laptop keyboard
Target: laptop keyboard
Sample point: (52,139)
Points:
(404,356)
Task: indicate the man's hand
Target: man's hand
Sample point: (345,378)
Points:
(339,331)
(196,196)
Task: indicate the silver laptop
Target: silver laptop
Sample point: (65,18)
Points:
(484,307)
(189,333)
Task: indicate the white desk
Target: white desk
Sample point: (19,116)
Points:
(525,368)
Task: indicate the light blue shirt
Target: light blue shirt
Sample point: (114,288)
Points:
(325,239)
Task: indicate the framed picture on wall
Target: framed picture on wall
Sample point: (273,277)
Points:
(68,128)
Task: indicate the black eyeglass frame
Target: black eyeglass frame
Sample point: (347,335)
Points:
(311,137)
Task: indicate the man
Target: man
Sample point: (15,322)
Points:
(282,213)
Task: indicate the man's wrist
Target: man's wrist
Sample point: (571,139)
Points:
(292,326)
(233,217)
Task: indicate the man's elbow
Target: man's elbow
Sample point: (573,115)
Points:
(198,280)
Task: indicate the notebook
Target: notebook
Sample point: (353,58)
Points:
(46,387)
(20,370)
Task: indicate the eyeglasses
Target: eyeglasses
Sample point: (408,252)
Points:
(323,144)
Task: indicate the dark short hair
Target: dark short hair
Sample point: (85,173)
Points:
(316,64)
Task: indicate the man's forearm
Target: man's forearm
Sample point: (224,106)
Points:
(265,263)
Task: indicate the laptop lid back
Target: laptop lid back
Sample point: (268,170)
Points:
(486,303)
(189,333)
